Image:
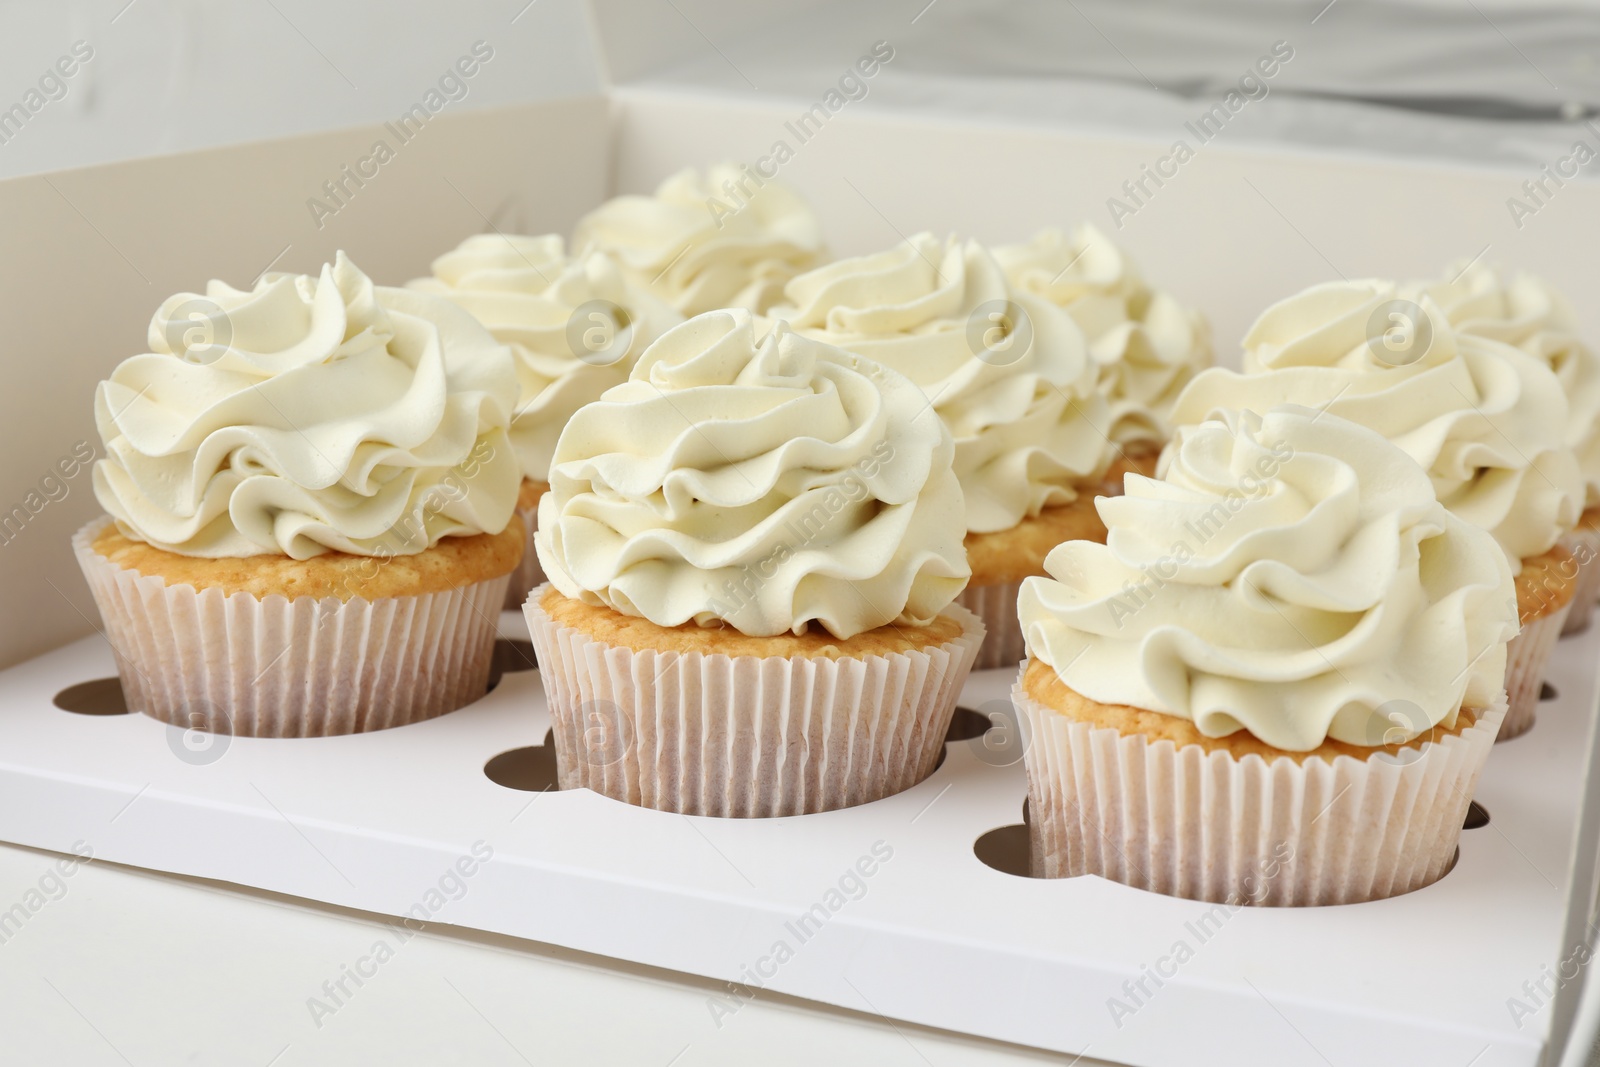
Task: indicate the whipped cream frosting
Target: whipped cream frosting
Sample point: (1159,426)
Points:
(574,325)
(1009,372)
(726,238)
(1525,312)
(760,479)
(1484,419)
(306,415)
(1145,344)
(1291,574)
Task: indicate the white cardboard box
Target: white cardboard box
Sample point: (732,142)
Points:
(374,822)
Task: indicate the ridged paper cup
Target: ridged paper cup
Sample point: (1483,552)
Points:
(528,575)
(746,737)
(1214,827)
(1584,544)
(996,605)
(1526,658)
(275,667)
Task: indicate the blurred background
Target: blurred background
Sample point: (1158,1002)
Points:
(1464,81)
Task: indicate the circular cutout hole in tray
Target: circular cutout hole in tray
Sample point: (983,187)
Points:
(967,724)
(510,656)
(1477,815)
(531,769)
(1005,849)
(992,733)
(102,696)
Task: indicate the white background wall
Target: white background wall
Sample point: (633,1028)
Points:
(172,75)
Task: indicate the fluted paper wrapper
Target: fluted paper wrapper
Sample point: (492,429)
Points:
(745,737)
(275,667)
(1584,544)
(996,605)
(528,574)
(1526,658)
(1212,827)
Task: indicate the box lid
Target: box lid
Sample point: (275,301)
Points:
(1476,83)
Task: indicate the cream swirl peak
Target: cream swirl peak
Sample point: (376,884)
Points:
(575,326)
(1524,311)
(1484,419)
(1146,345)
(1008,372)
(758,479)
(687,248)
(306,415)
(1291,574)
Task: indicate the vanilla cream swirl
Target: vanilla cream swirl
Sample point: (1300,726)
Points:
(575,326)
(1291,575)
(306,415)
(1484,419)
(1524,311)
(1146,345)
(758,479)
(727,238)
(1008,372)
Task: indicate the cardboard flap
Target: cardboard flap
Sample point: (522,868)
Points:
(91,253)
(163,76)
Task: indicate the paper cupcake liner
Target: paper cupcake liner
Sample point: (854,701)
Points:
(275,667)
(745,737)
(1526,658)
(528,573)
(996,605)
(1207,826)
(1584,544)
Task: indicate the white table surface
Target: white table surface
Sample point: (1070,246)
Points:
(128,967)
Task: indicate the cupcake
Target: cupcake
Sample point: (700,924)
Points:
(1145,344)
(1277,680)
(575,328)
(310,490)
(723,239)
(1011,376)
(753,547)
(1525,312)
(1484,419)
